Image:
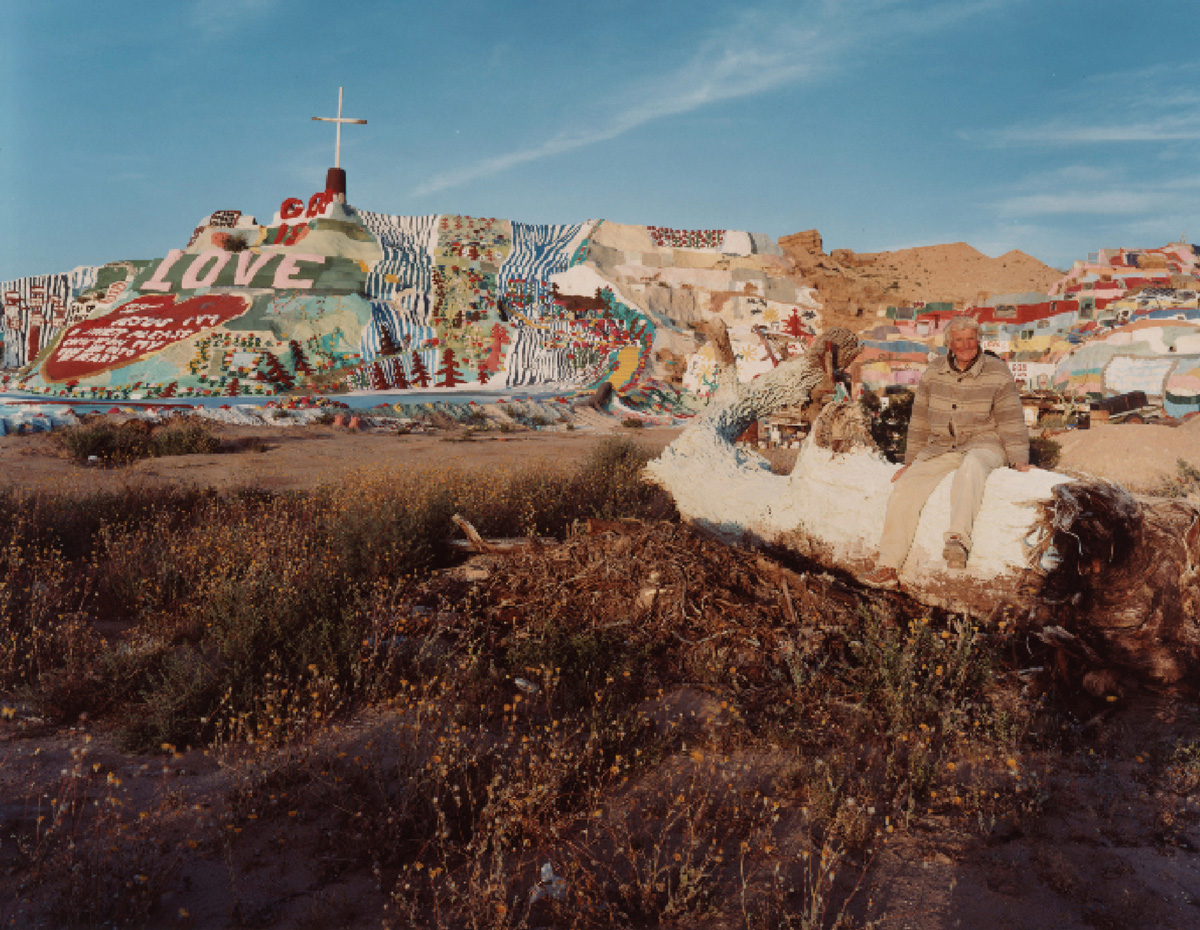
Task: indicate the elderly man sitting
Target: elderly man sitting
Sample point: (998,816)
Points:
(966,419)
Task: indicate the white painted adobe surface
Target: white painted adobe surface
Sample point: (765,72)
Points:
(837,501)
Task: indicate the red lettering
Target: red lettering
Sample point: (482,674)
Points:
(318,202)
(290,235)
(291,208)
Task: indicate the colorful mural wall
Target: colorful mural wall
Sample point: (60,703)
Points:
(1125,320)
(330,297)
(327,297)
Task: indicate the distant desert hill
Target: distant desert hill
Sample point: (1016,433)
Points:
(849,281)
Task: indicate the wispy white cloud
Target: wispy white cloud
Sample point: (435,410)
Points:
(1081,202)
(1154,104)
(1090,191)
(212,18)
(1060,132)
(759,51)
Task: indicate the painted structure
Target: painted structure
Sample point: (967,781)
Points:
(332,294)
(342,297)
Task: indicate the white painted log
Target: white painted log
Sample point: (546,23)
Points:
(831,509)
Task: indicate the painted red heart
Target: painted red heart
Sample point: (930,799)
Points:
(141,327)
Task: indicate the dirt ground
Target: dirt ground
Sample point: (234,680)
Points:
(1114,843)
(302,458)
(1139,456)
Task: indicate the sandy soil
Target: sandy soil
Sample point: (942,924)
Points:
(295,458)
(1140,456)
(956,271)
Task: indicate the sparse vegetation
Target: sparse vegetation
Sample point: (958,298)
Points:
(889,421)
(1044,452)
(119,443)
(1184,482)
(637,727)
(235,242)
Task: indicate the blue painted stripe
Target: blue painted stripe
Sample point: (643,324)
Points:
(538,251)
(408,243)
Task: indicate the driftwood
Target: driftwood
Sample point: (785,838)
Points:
(1108,580)
(476,543)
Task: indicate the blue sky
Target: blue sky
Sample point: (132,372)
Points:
(1052,126)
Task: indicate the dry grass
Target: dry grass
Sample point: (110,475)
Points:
(636,727)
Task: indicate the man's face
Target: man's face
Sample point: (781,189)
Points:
(964,345)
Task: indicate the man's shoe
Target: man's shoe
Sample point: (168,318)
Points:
(955,554)
(882,577)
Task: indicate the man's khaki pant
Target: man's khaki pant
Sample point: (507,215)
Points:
(912,490)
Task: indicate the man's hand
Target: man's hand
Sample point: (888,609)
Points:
(1017,467)
(896,477)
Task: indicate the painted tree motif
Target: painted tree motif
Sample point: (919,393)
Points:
(387,345)
(420,374)
(277,373)
(300,363)
(794,325)
(449,370)
(500,338)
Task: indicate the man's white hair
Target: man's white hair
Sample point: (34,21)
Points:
(961,322)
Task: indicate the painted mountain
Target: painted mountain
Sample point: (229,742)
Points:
(331,297)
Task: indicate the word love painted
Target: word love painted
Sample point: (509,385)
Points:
(139,328)
(181,272)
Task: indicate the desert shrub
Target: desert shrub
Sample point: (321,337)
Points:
(75,856)
(177,691)
(1185,481)
(379,526)
(922,686)
(119,443)
(889,424)
(1044,452)
(106,440)
(649,711)
(610,485)
(73,526)
(183,437)
(232,601)
(38,594)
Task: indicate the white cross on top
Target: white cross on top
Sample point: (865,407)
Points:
(337,152)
